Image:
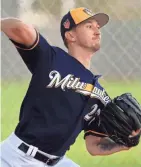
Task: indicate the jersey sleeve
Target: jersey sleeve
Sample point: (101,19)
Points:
(93,128)
(34,55)
(91,120)
(94,107)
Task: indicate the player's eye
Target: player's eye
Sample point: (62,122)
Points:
(89,26)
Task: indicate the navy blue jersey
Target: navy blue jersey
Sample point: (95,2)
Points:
(95,105)
(52,112)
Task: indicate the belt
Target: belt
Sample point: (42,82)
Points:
(23,147)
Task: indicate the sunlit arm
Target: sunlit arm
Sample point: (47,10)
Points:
(18,31)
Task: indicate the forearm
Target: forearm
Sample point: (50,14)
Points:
(103,146)
(18,31)
(106,146)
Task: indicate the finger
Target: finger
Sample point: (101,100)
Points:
(137,131)
(134,133)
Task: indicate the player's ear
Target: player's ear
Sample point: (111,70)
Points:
(69,35)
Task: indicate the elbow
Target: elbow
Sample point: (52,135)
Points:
(93,151)
(91,146)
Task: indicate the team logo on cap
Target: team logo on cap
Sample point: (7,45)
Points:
(88,11)
(67,24)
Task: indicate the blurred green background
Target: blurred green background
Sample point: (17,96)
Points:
(12,95)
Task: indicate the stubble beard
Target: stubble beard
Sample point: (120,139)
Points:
(96,47)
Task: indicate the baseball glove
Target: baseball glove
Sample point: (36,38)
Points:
(120,118)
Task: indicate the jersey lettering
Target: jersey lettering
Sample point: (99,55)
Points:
(95,112)
(67,82)
(71,82)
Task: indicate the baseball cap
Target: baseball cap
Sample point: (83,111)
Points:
(77,16)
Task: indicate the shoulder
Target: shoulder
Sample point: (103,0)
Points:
(60,50)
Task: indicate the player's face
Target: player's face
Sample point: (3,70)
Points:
(88,35)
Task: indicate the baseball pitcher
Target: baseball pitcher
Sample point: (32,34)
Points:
(56,104)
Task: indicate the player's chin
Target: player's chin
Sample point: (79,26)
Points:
(96,47)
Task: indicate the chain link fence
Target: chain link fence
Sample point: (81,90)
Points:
(119,58)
